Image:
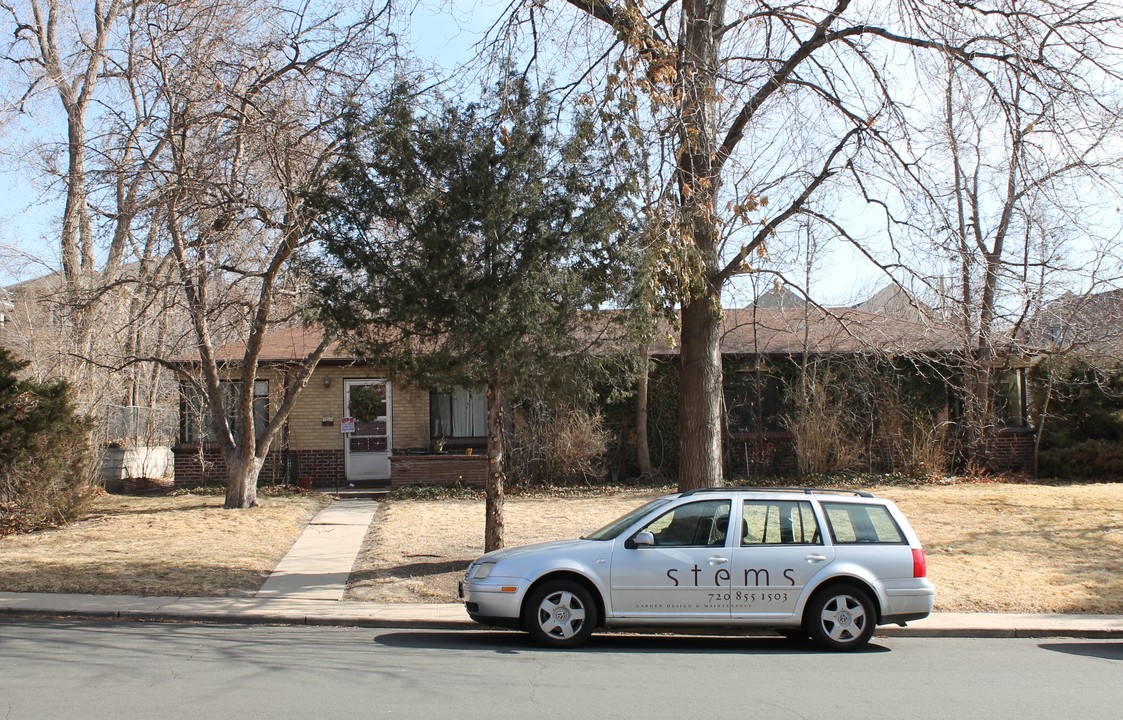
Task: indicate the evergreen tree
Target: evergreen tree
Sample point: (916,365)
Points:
(45,460)
(472,244)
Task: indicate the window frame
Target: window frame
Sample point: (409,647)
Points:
(472,396)
(716,513)
(193,414)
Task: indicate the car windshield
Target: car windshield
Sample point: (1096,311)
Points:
(614,528)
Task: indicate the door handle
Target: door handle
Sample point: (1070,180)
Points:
(816,558)
(717,560)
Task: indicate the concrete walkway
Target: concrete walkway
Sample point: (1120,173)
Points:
(307,588)
(319,563)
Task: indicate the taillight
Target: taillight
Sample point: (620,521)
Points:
(919,563)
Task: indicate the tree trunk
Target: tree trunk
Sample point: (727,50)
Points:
(700,394)
(241,481)
(493,520)
(643,451)
(1042,417)
(699,178)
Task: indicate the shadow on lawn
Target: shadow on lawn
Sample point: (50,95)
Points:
(413,570)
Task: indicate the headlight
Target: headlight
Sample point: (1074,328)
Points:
(482,570)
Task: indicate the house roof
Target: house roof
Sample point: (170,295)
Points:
(1092,324)
(895,301)
(284,345)
(746,331)
(822,331)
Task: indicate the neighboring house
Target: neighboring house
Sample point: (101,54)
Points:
(6,308)
(1079,390)
(767,346)
(1089,326)
(132,403)
(405,434)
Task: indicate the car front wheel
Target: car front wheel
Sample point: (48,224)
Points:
(841,617)
(560,613)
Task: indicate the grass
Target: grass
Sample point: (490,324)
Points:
(991,547)
(181,545)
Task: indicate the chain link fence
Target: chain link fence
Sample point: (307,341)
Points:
(136,426)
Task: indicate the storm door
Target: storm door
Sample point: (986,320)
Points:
(366,451)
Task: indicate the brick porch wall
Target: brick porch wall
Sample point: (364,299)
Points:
(189,473)
(1011,449)
(437,470)
(326,469)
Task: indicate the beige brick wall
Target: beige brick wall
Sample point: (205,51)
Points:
(309,428)
(411,416)
(318,402)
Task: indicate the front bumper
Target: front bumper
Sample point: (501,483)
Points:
(495,600)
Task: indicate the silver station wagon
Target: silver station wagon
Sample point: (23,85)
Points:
(819,564)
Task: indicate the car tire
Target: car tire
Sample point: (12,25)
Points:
(560,614)
(840,617)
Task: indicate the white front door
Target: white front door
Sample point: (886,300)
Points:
(366,452)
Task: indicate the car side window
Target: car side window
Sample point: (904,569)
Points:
(694,524)
(861,524)
(776,522)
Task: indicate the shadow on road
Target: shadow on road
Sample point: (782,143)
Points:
(1104,650)
(512,642)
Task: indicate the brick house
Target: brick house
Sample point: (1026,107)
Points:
(408,435)
(399,434)
(766,346)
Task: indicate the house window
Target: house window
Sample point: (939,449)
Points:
(195,421)
(1010,398)
(457,413)
(753,402)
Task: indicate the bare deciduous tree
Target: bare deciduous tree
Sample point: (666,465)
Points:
(1015,169)
(193,128)
(250,96)
(793,111)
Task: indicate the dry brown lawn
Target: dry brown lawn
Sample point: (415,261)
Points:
(181,545)
(991,547)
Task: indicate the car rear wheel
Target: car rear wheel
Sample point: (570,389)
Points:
(840,617)
(560,613)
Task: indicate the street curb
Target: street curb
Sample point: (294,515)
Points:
(1090,628)
(234,619)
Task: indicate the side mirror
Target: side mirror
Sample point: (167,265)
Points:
(643,539)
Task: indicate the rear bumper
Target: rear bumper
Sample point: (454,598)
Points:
(909,600)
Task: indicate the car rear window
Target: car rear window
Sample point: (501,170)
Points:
(852,523)
(774,522)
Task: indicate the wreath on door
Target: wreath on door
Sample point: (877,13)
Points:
(367,402)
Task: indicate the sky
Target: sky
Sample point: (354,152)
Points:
(440,34)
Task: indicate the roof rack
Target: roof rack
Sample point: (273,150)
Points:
(804,490)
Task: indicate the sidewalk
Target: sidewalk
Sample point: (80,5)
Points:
(307,588)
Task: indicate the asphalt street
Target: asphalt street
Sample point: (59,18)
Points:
(91,670)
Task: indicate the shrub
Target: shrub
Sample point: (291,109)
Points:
(46,464)
(1095,459)
(556,445)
